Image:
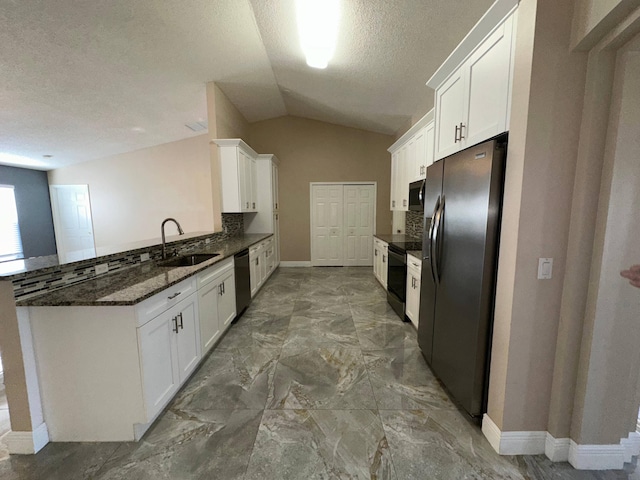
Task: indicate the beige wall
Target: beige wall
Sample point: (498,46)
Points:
(545,120)
(610,356)
(132,193)
(313,151)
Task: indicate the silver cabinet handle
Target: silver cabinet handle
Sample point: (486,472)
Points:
(404,203)
(375,253)
(247,205)
(462,125)
(456,135)
(384,259)
(254,205)
(415,264)
(171,297)
(393,203)
(181,325)
(175,324)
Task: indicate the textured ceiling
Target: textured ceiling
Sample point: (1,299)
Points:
(83,80)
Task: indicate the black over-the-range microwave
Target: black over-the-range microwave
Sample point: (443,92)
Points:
(416,195)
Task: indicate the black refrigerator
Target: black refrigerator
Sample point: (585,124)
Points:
(462,204)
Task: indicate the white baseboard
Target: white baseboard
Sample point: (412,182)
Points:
(596,457)
(295,263)
(27,443)
(513,443)
(631,446)
(556,449)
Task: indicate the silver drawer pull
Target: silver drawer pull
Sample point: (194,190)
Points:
(171,297)
(415,264)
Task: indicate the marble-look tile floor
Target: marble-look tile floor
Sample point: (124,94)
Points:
(318,380)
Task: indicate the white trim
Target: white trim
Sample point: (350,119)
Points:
(631,446)
(27,443)
(286,264)
(420,124)
(556,449)
(234,142)
(513,443)
(596,457)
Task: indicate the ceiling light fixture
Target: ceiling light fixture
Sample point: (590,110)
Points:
(318,29)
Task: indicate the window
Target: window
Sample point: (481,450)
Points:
(10,241)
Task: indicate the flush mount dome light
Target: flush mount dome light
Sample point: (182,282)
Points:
(318,29)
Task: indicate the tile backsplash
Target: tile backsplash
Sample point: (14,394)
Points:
(413,224)
(30,284)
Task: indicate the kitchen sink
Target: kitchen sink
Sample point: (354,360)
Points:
(188,260)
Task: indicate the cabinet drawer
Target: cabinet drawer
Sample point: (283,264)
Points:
(154,306)
(210,274)
(414,263)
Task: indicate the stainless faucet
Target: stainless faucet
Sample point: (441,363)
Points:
(164,241)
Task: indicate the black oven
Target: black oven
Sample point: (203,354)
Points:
(397,280)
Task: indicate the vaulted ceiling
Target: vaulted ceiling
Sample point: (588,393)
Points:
(84,80)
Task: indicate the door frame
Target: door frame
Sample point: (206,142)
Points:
(312,184)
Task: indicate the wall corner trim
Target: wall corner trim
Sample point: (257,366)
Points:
(295,263)
(27,443)
(557,449)
(596,457)
(513,443)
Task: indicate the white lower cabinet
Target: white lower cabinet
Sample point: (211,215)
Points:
(380,257)
(262,263)
(216,302)
(169,352)
(412,308)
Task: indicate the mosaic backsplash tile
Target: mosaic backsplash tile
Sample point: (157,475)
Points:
(413,225)
(30,284)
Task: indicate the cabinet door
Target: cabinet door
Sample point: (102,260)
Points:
(274,187)
(384,266)
(449,114)
(227,300)
(402,187)
(420,156)
(159,358)
(413,296)
(488,70)
(254,272)
(208,307)
(263,265)
(430,132)
(394,181)
(254,184)
(188,336)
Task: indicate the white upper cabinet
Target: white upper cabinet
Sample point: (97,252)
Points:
(238,176)
(473,86)
(411,154)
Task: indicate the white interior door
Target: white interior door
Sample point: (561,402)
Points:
(358,225)
(327,225)
(72,223)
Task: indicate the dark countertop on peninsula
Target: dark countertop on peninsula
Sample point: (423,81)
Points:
(135,284)
(415,253)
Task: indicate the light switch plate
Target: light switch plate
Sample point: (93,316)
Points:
(144,257)
(102,268)
(545,268)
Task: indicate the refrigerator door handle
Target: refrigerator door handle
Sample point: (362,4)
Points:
(436,250)
(430,236)
(421,194)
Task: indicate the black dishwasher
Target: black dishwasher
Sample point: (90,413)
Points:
(243,282)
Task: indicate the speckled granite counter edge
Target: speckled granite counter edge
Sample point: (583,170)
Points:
(172,276)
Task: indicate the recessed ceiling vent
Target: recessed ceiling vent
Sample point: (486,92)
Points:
(198,126)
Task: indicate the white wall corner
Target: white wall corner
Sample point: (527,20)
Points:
(596,457)
(27,443)
(513,443)
(556,449)
(295,264)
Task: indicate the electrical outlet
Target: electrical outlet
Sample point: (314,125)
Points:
(144,257)
(102,268)
(207,240)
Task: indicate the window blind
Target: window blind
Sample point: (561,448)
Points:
(10,241)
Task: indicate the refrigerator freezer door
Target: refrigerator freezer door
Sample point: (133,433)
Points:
(432,194)
(472,192)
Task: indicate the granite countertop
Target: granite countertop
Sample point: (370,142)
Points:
(396,238)
(415,253)
(140,282)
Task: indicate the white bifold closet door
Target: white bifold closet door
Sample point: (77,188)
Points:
(342,224)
